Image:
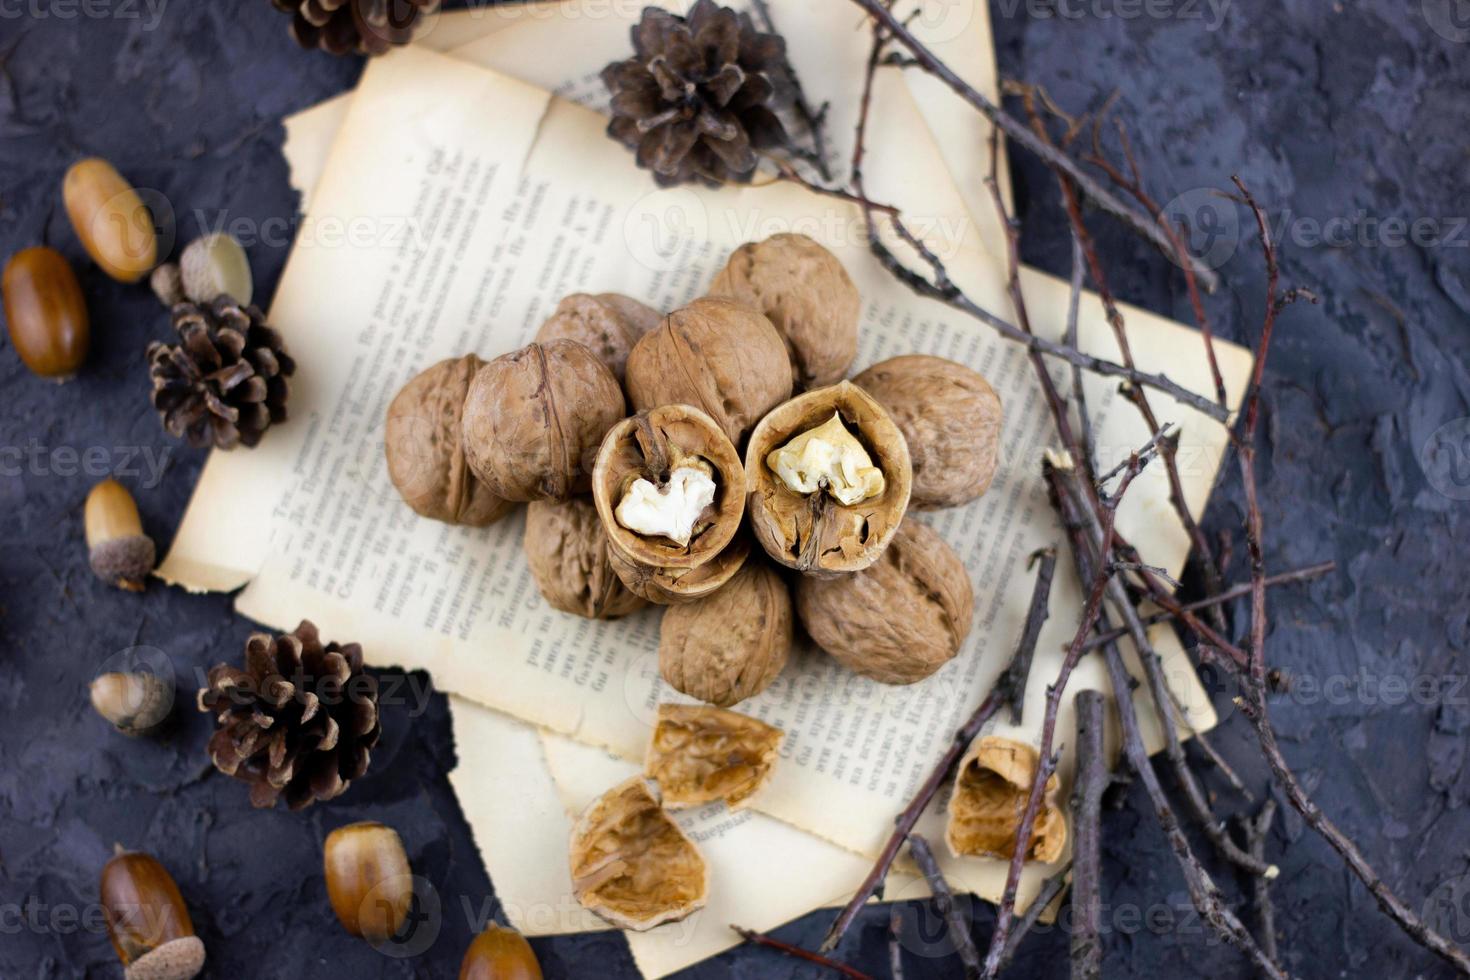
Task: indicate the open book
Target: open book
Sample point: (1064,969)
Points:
(453,262)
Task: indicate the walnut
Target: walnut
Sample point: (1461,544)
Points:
(804,525)
(669,488)
(701,754)
(991,788)
(426,459)
(898,621)
(609,324)
(533,420)
(807,295)
(951,418)
(631,864)
(567,551)
(716,355)
(673,586)
(730,645)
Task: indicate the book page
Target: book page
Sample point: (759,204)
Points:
(511,222)
(830,60)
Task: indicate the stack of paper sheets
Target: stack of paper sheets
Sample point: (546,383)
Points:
(465,200)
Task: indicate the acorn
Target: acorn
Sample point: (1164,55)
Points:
(134,703)
(499,953)
(369,881)
(147,920)
(46,312)
(215,265)
(120,553)
(110,219)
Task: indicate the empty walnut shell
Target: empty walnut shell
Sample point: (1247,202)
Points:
(649,446)
(701,754)
(608,324)
(807,295)
(814,533)
(426,458)
(991,789)
(673,586)
(533,420)
(631,864)
(731,644)
(951,418)
(566,548)
(898,621)
(719,356)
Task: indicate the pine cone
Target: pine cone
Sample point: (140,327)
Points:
(354,26)
(698,97)
(300,720)
(224,383)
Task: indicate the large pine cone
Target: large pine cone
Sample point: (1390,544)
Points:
(696,100)
(299,721)
(354,26)
(224,383)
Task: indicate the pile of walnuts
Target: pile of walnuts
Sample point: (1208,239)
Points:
(714,460)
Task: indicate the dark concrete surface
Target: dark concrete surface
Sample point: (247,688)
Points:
(1354,111)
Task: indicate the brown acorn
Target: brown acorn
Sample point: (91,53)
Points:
(118,550)
(499,953)
(369,880)
(147,920)
(46,313)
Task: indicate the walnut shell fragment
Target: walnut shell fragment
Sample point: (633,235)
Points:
(898,621)
(672,586)
(701,754)
(566,548)
(631,864)
(719,356)
(426,459)
(807,295)
(991,789)
(951,418)
(533,420)
(732,644)
(642,455)
(608,324)
(813,532)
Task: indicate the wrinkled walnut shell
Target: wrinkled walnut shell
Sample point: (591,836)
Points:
(631,864)
(701,754)
(721,357)
(807,295)
(814,533)
(567,551)
(533,420)
(951,418)
(898,621)
(426,459)
(991,789)
(648,446)
(608,324)
(730,645)
(673,586)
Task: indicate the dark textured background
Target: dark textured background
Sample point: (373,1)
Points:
(1349,110)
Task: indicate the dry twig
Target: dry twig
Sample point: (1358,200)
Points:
(760,939)
(959,929)
(1087,793)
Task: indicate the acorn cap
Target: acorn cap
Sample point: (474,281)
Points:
(124,562)
(177,959)
(118,550)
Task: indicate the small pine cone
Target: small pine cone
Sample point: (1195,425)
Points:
(368,27)
(224,383)
(698,97)
(299,721)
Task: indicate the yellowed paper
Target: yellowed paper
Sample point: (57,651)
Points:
(460,603)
